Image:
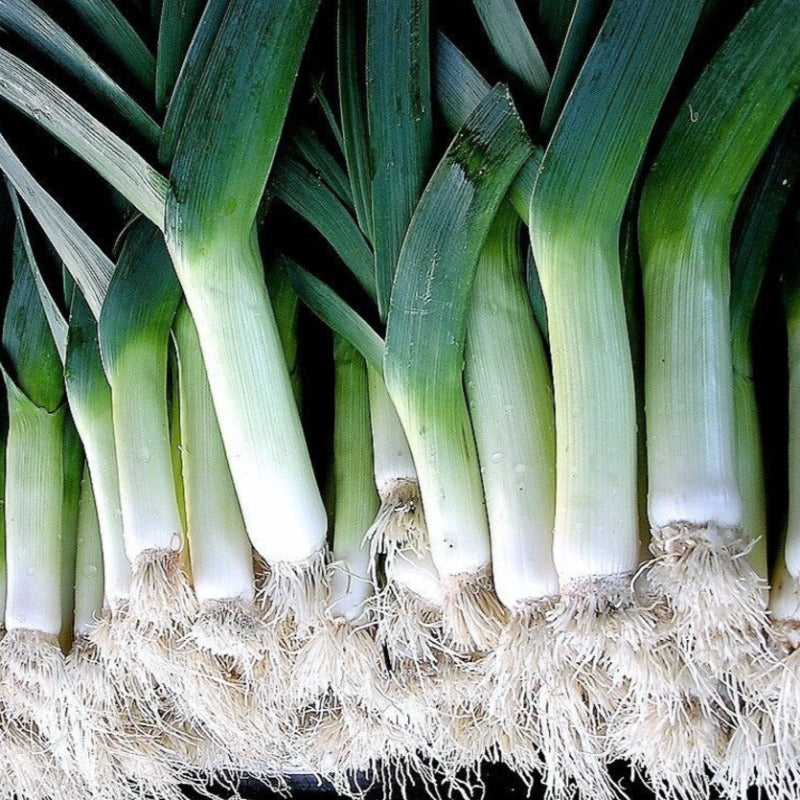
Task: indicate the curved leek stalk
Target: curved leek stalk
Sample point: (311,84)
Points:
(686,215)
(510,395)
(210,219)
(426,325)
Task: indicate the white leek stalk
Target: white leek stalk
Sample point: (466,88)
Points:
(221,556)
(425,329)
(686,217)
(31,662)
(133,331)
(218,175)
(33,504)
(511,405)
(605,634)
(233,682)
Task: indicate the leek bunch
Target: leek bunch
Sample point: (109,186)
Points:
(526,518)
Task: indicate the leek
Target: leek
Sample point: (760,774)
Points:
(425,327)
(685,219)
(510,396)
(210,214)
(31,661)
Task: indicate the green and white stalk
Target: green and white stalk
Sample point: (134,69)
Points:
(134,335)
(511,406)
(235,682)
(34,515)
(399,523)
(221,556)
(605,632)
(596,531)
(356,501)
(31,662)
(73,472)
(210,217)
(426,325)
(510,395)
(686,216)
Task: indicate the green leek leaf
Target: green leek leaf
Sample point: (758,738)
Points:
(90,268)
(92,141)
(302,191)
(513,43)
(399,114)
(336,314)
(585,20)
(109,24)
(142,296)
(40,31)
(355,136)
(179,19)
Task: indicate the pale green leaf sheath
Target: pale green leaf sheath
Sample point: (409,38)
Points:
(424,353)
(685,220)
(134,337)
(74,461)
(90,401)
(210,219)
(88,562)
(510,396)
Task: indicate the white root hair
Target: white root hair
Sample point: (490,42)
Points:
(294,592)
(343,657)
(472,615)
(231,628)
(408,625)
(399,524)
(512,680)
(718,602)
